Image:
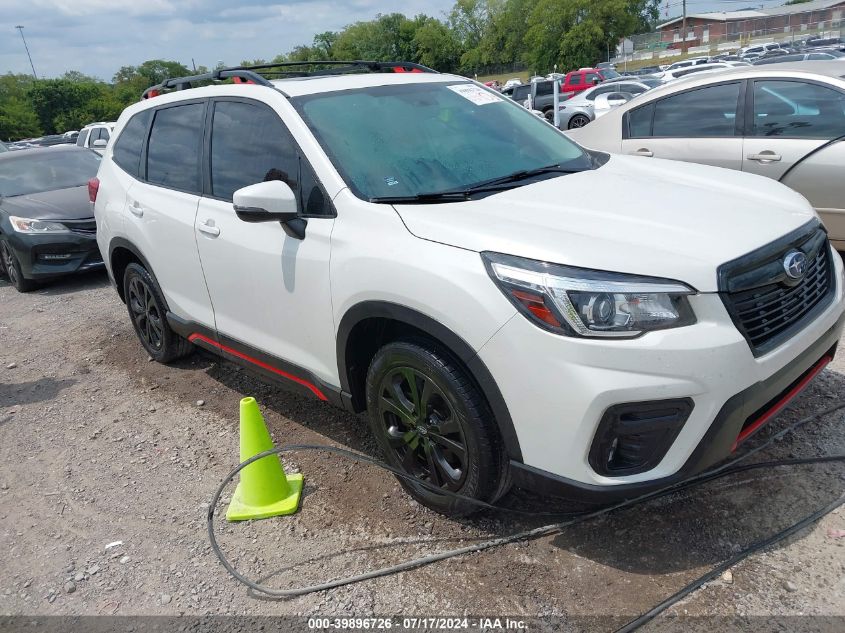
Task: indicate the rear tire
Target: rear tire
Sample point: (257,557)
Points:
(11,267)
(148,313)
(578,121)
(431,421)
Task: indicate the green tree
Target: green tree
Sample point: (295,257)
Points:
(436,45)
(54,101)
(469,21)
(324,43)
(575,33)
(17,120)
(149,73)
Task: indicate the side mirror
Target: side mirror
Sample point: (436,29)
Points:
(271,201)
(100,143)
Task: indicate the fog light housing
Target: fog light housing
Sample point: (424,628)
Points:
(633,437)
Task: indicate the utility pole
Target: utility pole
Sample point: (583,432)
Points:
(20,30)
(684,28)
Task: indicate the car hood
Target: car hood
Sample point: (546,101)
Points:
(659,218)
(61,204)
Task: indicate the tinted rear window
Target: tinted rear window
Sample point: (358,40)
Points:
(173,155)
(704,112)
(127,150)
(639,121)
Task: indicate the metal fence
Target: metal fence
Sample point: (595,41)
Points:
(705,38)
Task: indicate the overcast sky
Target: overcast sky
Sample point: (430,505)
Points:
(97,37)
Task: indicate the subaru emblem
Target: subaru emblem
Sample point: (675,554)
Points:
(795,264)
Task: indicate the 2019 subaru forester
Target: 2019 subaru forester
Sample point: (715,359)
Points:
(507,306)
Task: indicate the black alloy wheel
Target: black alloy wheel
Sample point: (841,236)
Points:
(422,428)
(148,312)
(145,314)
(10,265)
(578,121)
(432,422)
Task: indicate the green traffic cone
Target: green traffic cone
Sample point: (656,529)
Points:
(264,490)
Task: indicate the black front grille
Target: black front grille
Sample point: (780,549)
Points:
(767,306)
(83,227)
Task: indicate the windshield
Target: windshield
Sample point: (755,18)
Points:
(23,173)
(3,148)
(609,73)
(410,139)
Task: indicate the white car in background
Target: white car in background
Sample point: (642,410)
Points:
(678,73)
(581,109)
(96,136)
(782,121)
(686,63)
(505,305)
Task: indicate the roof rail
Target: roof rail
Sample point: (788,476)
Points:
(250,74)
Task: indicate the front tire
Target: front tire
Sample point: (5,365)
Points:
(431,421)
(148,313)
(10,265)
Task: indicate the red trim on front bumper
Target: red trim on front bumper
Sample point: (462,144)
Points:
(255,361)
(778,406)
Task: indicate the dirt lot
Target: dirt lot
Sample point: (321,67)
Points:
(98,445)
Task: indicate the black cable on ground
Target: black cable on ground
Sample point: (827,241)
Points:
(733,560)
(715,473)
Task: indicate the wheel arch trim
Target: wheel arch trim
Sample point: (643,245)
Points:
(120,242)
(456,345)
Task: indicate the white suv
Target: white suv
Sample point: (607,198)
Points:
(507,306)
(95,136)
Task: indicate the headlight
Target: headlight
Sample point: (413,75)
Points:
(25,225)
(590,303)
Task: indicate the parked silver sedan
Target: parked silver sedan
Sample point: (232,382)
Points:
(783,121)
(579,110)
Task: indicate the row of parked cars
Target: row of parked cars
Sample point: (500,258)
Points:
(47,229)
(814,49)
(93,136)
(508,306)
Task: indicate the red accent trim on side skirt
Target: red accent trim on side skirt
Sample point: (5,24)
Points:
(778,406)
(255,361)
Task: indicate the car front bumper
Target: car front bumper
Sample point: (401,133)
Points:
(558,389)
(51,255)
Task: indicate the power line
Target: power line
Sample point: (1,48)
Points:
(20,30)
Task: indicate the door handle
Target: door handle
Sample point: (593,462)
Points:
(208,228)
(643,151)
(765,157)
(136,209)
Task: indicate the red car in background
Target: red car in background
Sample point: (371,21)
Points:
(580,80)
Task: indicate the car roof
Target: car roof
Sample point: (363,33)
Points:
(300,86)
(296,87)
(833,68)
(106,123)
(34,151)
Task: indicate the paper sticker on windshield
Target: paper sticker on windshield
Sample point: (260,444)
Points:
(477,95)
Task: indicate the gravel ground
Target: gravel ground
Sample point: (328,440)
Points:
(109,462)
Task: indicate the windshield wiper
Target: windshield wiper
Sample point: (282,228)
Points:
(518,176)
(494,184)
(441,196)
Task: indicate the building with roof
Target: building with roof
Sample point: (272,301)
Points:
(776,22)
